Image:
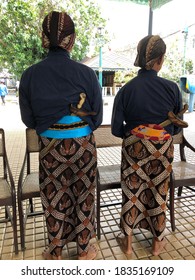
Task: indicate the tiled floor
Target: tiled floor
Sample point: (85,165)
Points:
(180,244)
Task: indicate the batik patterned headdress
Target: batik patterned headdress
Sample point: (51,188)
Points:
(58,31)
(149,50)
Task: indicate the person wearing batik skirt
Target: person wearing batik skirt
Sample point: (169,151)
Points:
(147,148)
(61,99)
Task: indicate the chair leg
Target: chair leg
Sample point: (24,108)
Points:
(31,205)
(179,191)
(172,207)
(98,213)
(13,219)
(8,216)
(15,230)
(98,203)
(21,219)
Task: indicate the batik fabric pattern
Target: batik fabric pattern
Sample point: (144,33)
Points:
(145,170)
(58,30)
(67,183)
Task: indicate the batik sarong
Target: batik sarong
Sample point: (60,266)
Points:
(145,170)
(67,183)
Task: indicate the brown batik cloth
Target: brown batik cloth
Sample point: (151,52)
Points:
(145,170)
(67,182)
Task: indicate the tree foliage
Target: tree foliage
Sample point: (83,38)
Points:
(173,65)
(20,29)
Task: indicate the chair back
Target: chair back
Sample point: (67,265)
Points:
(7,190)
(182,176)
(105,138)
(5,195)
(2,142)
(28,183)
(178,138)
(3,155)
(32,141)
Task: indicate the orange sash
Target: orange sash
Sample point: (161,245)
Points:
(151,132)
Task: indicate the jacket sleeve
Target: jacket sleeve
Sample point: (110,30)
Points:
(24,102)
(117,120)
(178,108)
(95,102)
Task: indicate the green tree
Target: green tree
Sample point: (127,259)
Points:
(20,29)
(173,65)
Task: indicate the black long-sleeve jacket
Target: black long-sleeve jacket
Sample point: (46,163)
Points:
(49,87)
(146,99)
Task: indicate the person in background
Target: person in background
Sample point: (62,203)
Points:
(147,148)
(61,99)
(3,91)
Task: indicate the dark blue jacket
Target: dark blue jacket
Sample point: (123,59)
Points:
(146,99)
(49,87)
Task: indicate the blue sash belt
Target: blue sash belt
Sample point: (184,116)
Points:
(68,127)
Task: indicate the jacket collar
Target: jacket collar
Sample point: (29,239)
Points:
(147,72)
(59,51)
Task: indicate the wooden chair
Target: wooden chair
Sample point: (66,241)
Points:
(108,177)
(28,183)
(7,190)
(182,176)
